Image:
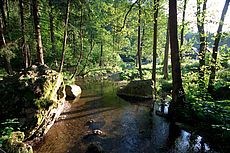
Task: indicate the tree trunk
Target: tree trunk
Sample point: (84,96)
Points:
(3,15)
(81,47)
(87,57)
(178,96)
(74,45)
(200,26)
(7,10)
(156,7)
(25,48)
(6,59)
(215,48)
(38,31)
(101,56)
(166,54)
(182,29)
(139,40)
(65,36)
(52,36)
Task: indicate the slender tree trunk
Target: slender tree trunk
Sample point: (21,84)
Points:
(3,24)
(139,40)
(28,55)
(101,56)
(25,48)
(215,48)
(3,15)
(182,29)
(81,46)
(7,10)
(38,31)
(74,45)
(52,36)
(65,36)
(142,38)
(178,91)
(156,7)
(200,26)
(87,57)
(166,54)
(8,67)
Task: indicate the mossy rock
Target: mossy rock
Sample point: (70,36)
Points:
(138,89)
(15,144)
(35,97)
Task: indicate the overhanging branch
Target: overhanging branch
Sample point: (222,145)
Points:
(126,15)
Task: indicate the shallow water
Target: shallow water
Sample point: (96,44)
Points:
(127,127)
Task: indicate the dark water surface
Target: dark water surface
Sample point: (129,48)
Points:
(126,127)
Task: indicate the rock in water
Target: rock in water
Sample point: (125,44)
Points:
(72,91)
(94,148)
(97,132)
(137,90)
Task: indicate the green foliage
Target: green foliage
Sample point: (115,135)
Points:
(6,129)
(68,78)
(130,74)
(43,103)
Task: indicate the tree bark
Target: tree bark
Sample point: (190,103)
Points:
(200,26)
(25,48)
(74,45)
(65,36)
(3,15)
(101,56)
(6,60)
(215,48)
(182,29)
(156,7)
(166,54)
(37,28)
(178,91)
(87,57)
(52,36)
(3,24)
(139,40)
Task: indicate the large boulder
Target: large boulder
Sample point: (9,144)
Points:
(72,91)
(137,90)
(35,97)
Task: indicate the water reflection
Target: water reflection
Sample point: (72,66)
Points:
(126,127)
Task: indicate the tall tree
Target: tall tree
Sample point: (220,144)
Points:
(182,29)
(6,59)
(101,55)
(52,36)
(183,20)
(25,50)
(215,48)
(37,28)
(166,54)
(87,57)
(3,14)
(178,96)
(65,36)
(200,26)
(139,39)
(81,44)
(156,7)
(3,44)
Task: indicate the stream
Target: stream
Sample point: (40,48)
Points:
(126,127)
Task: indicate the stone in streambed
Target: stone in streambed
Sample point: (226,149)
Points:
(73,91)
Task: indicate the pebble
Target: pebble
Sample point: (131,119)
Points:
(97,132)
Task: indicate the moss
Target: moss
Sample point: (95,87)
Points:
(15,144)
(30,96)
(138,88)
(43,103)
